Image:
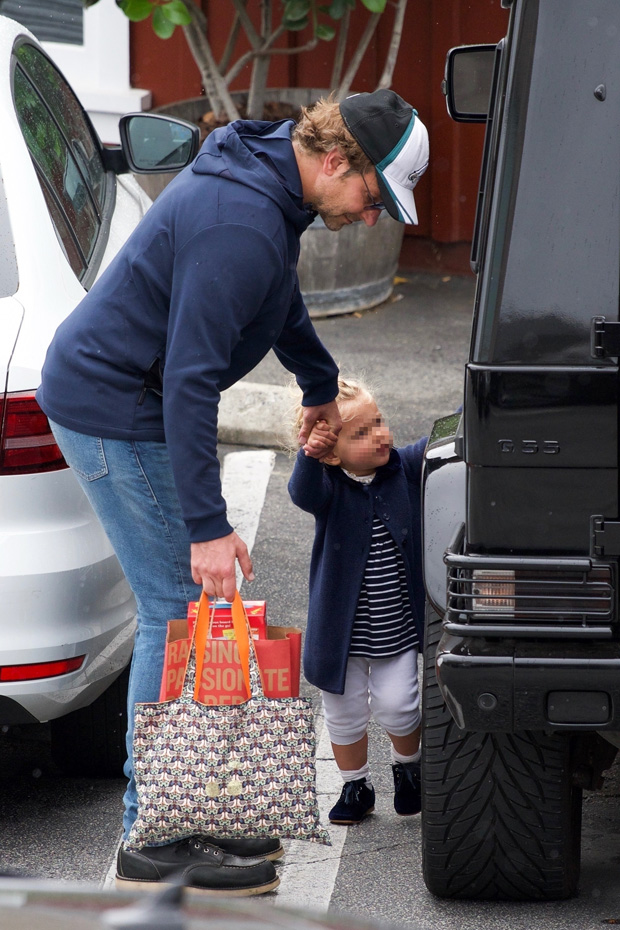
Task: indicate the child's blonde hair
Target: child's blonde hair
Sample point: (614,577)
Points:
(349,390)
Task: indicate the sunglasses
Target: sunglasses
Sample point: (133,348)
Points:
(378,205)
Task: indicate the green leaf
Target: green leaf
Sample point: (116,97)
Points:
(161,24)
(136,10)
(375,6)
(325,32)
(176,12)
(295,10)
(295,25)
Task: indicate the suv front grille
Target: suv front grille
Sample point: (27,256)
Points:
(504,597)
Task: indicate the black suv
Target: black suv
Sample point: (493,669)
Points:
(521,518)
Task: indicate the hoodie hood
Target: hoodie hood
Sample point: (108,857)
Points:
(258,155)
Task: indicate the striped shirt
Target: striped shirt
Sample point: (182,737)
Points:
(383,624)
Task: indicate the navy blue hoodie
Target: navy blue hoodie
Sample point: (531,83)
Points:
(202,289)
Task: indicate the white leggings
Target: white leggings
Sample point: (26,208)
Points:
(385,688)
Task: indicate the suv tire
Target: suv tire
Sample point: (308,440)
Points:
(501,819)
(91,741)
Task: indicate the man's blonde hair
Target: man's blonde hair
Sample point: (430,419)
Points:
(321,128)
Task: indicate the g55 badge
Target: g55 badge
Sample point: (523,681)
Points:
(529,446)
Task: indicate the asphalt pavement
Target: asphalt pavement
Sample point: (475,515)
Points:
(411,350)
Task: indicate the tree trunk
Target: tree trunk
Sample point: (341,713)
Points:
(258,86)
(260,68)
(397,33)
(215,87)
(343,33)
(345,84)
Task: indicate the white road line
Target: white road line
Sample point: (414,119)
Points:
(309,870)
(245,480)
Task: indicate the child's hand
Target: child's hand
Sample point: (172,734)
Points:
(321,440)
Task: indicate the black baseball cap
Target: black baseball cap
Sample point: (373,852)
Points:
(390,133)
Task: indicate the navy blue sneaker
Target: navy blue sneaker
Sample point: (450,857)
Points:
(407,788)
(355,802)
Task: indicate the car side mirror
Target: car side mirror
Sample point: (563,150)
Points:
(467,82)
(153,144)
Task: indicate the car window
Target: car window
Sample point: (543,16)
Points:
(68,113)
(64,151)
(65,234)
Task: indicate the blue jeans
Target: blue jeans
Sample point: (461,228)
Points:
(131,489)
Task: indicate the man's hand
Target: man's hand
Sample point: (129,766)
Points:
(331,415)
(214,564)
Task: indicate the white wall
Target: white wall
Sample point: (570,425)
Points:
(99,70)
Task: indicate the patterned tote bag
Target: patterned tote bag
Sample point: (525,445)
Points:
(231,771)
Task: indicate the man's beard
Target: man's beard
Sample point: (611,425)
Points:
(333,223)
(329,207)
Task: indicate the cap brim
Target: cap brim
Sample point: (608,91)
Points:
(398,199)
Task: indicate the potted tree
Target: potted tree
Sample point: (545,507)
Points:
(332,277)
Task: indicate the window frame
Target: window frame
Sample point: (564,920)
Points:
(103,212)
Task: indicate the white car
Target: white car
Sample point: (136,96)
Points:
(67,204)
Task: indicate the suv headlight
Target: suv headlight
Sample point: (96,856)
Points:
(493,590)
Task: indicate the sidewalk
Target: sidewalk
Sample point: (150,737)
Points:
(411,349)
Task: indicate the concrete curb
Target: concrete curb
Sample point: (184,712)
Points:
(252,414)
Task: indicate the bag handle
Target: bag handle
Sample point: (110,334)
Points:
(242,637)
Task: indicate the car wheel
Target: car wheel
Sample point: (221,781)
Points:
(91,741)
(501,818)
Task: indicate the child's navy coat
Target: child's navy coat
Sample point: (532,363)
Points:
(343,509)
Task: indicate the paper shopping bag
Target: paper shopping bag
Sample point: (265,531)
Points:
(279,661)
(176,654)
(221,682)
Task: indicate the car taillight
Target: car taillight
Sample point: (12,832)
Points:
(35,670)
(27,444)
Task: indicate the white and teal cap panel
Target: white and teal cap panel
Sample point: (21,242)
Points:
(390,132)
(400,171)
